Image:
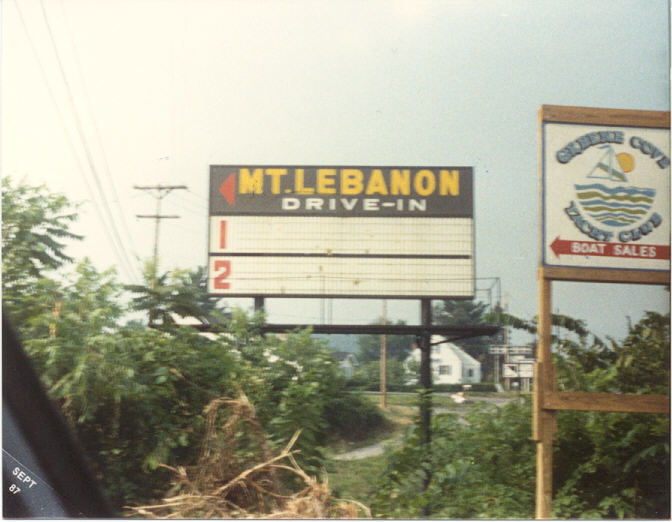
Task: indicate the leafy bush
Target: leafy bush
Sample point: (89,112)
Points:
(606,465)
(353,418)
(615,464)
(135,399)
(482,469)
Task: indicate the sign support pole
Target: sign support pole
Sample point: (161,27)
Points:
(425,369)
(614,255)
(383,361)
(425,392)
(258,303)
(544,421)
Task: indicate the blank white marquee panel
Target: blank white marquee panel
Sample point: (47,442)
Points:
(327,235)
(347,276)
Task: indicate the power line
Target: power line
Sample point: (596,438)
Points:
(201,198)
(106,167)
(161,191)
(116,243)
(191,207)
(73,149)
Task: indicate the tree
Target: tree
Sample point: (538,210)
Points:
(180,292)
(615,464)
(461,312)
(35,228)
(607,465)
(481,468)
(135,396)
(398,346)
(367,375)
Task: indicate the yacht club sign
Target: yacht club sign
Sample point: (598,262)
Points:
(605,196)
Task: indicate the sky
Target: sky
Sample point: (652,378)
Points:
(97,97)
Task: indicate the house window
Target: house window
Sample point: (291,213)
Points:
(445,369)
(470,373)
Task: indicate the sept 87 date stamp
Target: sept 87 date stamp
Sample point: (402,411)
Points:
(23,481)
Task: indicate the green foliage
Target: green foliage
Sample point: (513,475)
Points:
(483,468)
(612,465)
(35,228)
(398,346)
(134,396)
(461,312)
(300,381)
(367,375)
(606,465)
(352,418)
(643,364)
(356,479)
(180,292)
(569,324)
(615,464)
(34,223)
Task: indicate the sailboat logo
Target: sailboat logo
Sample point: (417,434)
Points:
(608,200)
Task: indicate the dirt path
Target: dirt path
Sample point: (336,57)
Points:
(368,451)
(379,448)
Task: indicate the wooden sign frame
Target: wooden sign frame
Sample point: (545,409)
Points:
(546,399)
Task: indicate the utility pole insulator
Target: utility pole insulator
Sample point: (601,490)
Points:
(160,192)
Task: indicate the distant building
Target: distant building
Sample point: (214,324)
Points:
(189,320)
(450,364)
(347,361)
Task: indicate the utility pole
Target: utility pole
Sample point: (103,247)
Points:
(160,192)
(383,361)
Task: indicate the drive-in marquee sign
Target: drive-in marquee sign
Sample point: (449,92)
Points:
(341,231)
(606,196)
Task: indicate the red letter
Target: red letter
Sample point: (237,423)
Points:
(225,266)
(222,234)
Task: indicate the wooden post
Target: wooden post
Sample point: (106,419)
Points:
(544,421)
(546,399)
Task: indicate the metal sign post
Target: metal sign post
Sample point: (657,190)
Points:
(605,206)
(352,232)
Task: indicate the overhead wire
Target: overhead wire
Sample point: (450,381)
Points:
(106,167)
(117,243)
(73,148)
(201,212)
(198,196)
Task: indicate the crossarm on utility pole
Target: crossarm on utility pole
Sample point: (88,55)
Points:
(161,191)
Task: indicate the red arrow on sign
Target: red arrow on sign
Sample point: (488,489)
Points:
(228,189)
(598,248)
(563,246)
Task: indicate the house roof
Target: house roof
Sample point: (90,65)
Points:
(466,359)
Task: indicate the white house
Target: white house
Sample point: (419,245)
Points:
(450,364)
(347,361)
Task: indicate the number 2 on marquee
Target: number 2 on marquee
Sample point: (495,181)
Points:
(222,271)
